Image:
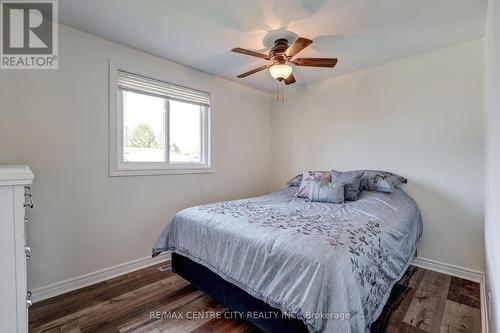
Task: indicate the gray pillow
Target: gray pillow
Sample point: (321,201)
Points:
(309,177)
(295,181)
(352,182)
(381,181)
(326,192)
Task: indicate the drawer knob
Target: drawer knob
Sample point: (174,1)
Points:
(27,220)
(27,191)
(28,204)
(27,249)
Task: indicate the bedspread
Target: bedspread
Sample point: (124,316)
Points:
(331,265)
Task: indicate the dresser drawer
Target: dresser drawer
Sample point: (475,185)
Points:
(15,199)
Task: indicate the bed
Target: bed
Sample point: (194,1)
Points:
(327,267)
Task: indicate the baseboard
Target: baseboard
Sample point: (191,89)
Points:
(441,267)
(58,288)
(484,307)
(460,272)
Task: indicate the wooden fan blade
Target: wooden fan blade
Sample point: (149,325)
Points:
(250,53)
(290,79)
(253,71)
(315,62)
(297,46)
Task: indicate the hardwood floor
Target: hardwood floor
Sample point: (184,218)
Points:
(423,301)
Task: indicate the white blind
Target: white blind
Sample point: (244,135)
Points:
(134,82)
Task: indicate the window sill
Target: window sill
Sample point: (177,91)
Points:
(152,172)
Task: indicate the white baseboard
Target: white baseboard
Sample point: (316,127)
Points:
(460,272)
(484,307)
(441,267)
(58,288)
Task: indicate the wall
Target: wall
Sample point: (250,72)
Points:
(57,122)
(492,221)
(421,117)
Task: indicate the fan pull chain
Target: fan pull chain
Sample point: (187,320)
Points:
(277,91)
(280,91)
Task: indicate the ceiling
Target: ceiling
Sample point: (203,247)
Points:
(200,33)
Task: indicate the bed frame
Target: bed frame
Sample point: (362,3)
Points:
(234,298)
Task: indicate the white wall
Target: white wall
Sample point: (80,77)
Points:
(420,117)
(492,221)
(57,122)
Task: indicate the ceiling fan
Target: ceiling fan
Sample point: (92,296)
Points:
(281,55)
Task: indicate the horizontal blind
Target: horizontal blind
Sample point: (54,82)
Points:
(135,82)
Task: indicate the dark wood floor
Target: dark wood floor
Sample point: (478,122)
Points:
(423,301)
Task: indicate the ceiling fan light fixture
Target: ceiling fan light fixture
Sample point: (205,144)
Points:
(280,55)
(280,71)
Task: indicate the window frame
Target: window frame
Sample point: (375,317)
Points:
(117,167)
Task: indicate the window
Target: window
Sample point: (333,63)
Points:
(157,127)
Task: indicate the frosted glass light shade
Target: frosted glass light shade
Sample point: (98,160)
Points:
(280,71)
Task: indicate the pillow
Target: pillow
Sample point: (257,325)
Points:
(381,181)
(308,177)
(295,181)
(326,192)
(352,182)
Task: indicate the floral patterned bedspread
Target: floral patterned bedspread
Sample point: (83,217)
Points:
(331,265)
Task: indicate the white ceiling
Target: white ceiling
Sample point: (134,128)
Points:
(200,33)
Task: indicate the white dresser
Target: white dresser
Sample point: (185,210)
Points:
(15,198)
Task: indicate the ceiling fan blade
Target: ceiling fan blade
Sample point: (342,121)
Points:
(253,71)
(290,79)
(297,46)
(250,53)
(315,62)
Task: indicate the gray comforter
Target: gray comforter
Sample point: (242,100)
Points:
(331,265)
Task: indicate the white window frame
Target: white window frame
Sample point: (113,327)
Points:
(117,167)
